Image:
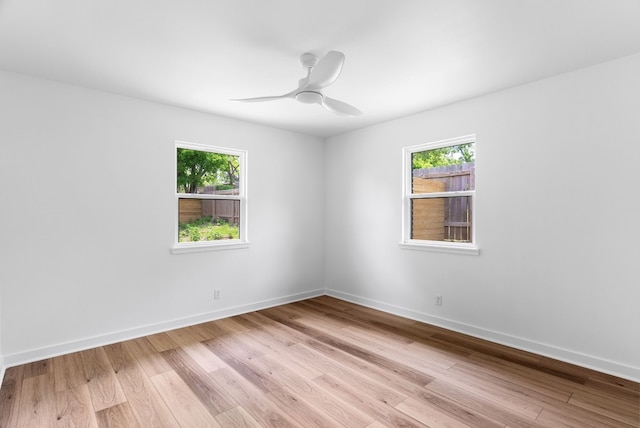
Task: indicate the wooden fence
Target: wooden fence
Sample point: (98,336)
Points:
(442,219)
(226,209)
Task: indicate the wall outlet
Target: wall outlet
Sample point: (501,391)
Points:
(438,300)
(216,294)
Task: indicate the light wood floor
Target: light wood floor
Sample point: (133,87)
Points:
(320,362)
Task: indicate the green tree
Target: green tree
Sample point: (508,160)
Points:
(230,173)
(452,155)
(197,168)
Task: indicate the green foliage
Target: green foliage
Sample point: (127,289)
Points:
(196,168)
(208,229)
(452,155)
(225,187)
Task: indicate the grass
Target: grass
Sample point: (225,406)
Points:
(207,229)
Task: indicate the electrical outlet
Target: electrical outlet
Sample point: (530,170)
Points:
(216,294)
(438,300)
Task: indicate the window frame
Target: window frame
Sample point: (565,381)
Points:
(469,248)
(223,244)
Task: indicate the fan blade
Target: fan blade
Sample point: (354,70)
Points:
(326,71)
(338,107)
(272,98)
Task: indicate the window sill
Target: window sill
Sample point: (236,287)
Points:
(207,246)
(441,247)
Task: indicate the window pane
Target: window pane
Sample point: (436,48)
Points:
(446,169)
(207,172)
(441,219)
(208,219)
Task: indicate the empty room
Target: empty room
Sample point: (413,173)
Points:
(357,213)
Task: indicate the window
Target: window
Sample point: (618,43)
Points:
(439,196)
(211,205)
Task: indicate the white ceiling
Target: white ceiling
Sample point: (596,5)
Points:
(402,56)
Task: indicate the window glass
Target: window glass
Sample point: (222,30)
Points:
(444,169)
(441,219)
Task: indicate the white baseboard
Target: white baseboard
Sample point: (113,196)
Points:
(2,370)
(93,342)
(587,361)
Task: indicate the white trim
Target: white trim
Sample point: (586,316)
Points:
(123,335)
(464,139)
(197,247)
(208,196)
(440,247)
(3,369)
(452,194)
(588,361)
(207,148)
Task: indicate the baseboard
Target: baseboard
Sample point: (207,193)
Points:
(2,370)
(587,361)
(107,339)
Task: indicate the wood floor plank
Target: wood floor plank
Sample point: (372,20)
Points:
(149,359)
(428,415)
(253,399)
(513,389)
(456,410)
(74,408)
(145,402)
(318,362)
(553,419)
(237,417)
(585,417)
(303,413)
(119,356)
(478,402)
(336,360)
(400,352)
(234,358)
(612,408)
(162,342)
(521,375)
(212,329)
(190,344)
(292,382)
(118,416)
(359,352)
(68,371)
(37,368)
(37,402)
(215,399)
(500,395)
(229,326)
(369,405)
(183,403)
(102,383)
(10,396)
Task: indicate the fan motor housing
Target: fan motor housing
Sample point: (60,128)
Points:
(309,97)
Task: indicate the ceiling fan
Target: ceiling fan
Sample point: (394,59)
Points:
(320,74)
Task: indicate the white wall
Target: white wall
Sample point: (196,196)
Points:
(557,223)
(87,220)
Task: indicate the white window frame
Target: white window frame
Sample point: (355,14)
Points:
(223,244)
(469,248)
